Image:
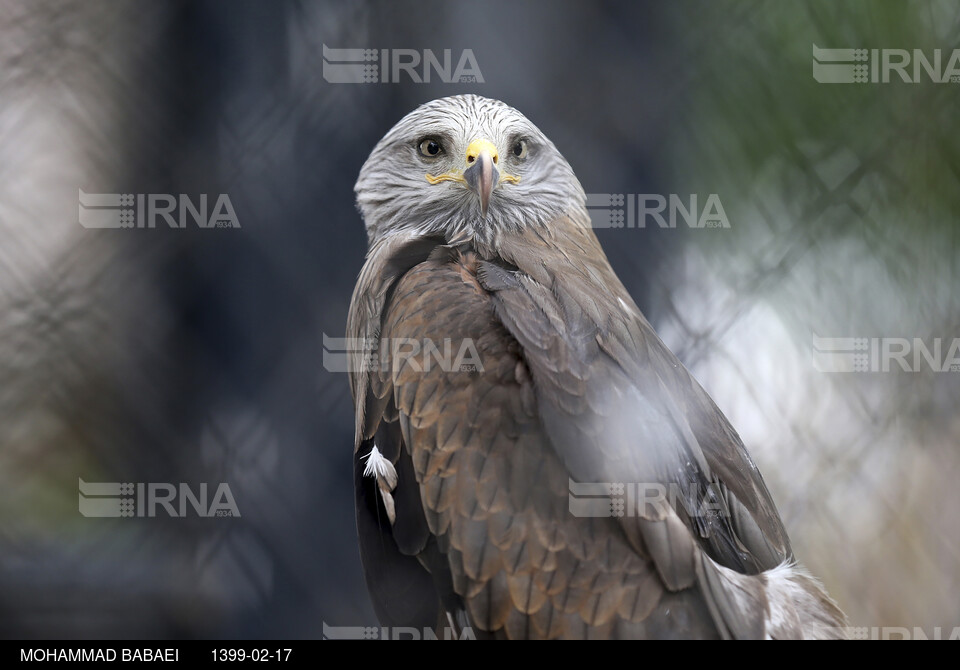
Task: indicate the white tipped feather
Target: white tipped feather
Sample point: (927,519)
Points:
(381,468)
(783,603)
(798,601)
(383,471)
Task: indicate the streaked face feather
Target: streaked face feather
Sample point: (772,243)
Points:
(395,196)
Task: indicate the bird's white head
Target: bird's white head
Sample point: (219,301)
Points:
(464,167)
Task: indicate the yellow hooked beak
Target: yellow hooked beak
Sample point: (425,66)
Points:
(480,174)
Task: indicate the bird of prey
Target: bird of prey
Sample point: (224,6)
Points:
(480,247)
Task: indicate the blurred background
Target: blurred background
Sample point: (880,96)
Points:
(195,355)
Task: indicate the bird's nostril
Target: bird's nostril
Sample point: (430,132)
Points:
(495,159)
(470,159)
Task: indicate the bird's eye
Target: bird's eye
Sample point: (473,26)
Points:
(430,147)
(520,149)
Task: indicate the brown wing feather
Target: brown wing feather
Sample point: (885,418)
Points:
(572,382)
(618,404)
(494,490)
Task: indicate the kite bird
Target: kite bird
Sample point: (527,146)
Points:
(480,245)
